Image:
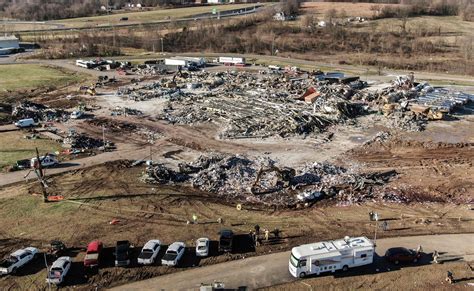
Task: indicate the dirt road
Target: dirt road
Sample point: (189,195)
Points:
(269,270)
(128,152)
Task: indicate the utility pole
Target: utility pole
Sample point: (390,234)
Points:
(162,47)
(273,45)
(47,270)
(376,218)
(5,26)
(151,140)
(103,136)
(110,23)
(40,174)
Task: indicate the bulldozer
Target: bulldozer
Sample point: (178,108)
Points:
(285,177)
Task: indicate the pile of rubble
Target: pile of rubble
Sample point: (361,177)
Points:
(28,109)
(249,105)
(259,180)
(148,91)
(409,106)
(81,141)
(113,125)
(125,111)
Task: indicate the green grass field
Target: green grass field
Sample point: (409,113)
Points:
(146,16)
(32,76)
(13,147)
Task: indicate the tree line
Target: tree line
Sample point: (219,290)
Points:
(60,9)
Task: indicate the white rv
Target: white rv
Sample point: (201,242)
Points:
(329,256)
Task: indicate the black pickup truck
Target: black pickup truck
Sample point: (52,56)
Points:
(225,240)
(122,253)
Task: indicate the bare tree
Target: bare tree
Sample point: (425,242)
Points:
(290,7)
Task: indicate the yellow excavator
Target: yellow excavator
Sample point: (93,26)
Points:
(88,90)
(285,176)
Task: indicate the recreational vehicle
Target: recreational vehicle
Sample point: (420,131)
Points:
(330,256)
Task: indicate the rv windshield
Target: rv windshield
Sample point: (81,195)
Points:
(293,260)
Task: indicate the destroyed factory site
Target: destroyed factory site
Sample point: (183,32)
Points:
(181,154)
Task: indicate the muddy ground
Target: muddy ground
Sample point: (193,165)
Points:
(435,175)
(434,172)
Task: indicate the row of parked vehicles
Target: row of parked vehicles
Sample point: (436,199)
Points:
(122,255)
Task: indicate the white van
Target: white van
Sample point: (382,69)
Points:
(329,256)
(28,122)
(46,161)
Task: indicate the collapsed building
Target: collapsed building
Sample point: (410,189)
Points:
(39,112)
(249,105)
(260,180)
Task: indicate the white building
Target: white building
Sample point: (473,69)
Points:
(9,42)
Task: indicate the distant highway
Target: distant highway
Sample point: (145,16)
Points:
(203,16)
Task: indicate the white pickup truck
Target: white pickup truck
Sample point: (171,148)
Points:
(17,260)
(59,270)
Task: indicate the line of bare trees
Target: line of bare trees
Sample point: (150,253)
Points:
(60,9)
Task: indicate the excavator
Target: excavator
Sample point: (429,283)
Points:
(172,83)
(88,90)
(285,177)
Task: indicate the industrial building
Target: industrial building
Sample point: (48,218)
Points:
(9,42)
(8,45)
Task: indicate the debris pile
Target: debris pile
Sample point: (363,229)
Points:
(248,105)
(28,109)
(81,141)
(113,125)
(125,111)
(409,106)
(235,177)
(148,91)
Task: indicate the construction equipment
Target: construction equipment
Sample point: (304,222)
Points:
(285,176)
(88,90)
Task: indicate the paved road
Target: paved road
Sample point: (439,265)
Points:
(203,16)
(269,270)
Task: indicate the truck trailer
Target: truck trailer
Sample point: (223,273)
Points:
(330,256)
(232,61)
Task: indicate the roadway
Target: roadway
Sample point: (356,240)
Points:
(203,16)
(272,269)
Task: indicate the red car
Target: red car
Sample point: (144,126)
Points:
(402,255)
(92,257)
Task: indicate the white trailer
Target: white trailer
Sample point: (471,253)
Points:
(176,62)
(231,60)
(83,64)
(330,256)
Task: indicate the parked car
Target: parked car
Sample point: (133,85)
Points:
(46,161)
(27,122)
(173,254)
(17,260)
(92,258)
(149,252)
(76,114)
(59,270)
(56,248)
(202,247)
(225,240)
(122,253)
(402,255)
